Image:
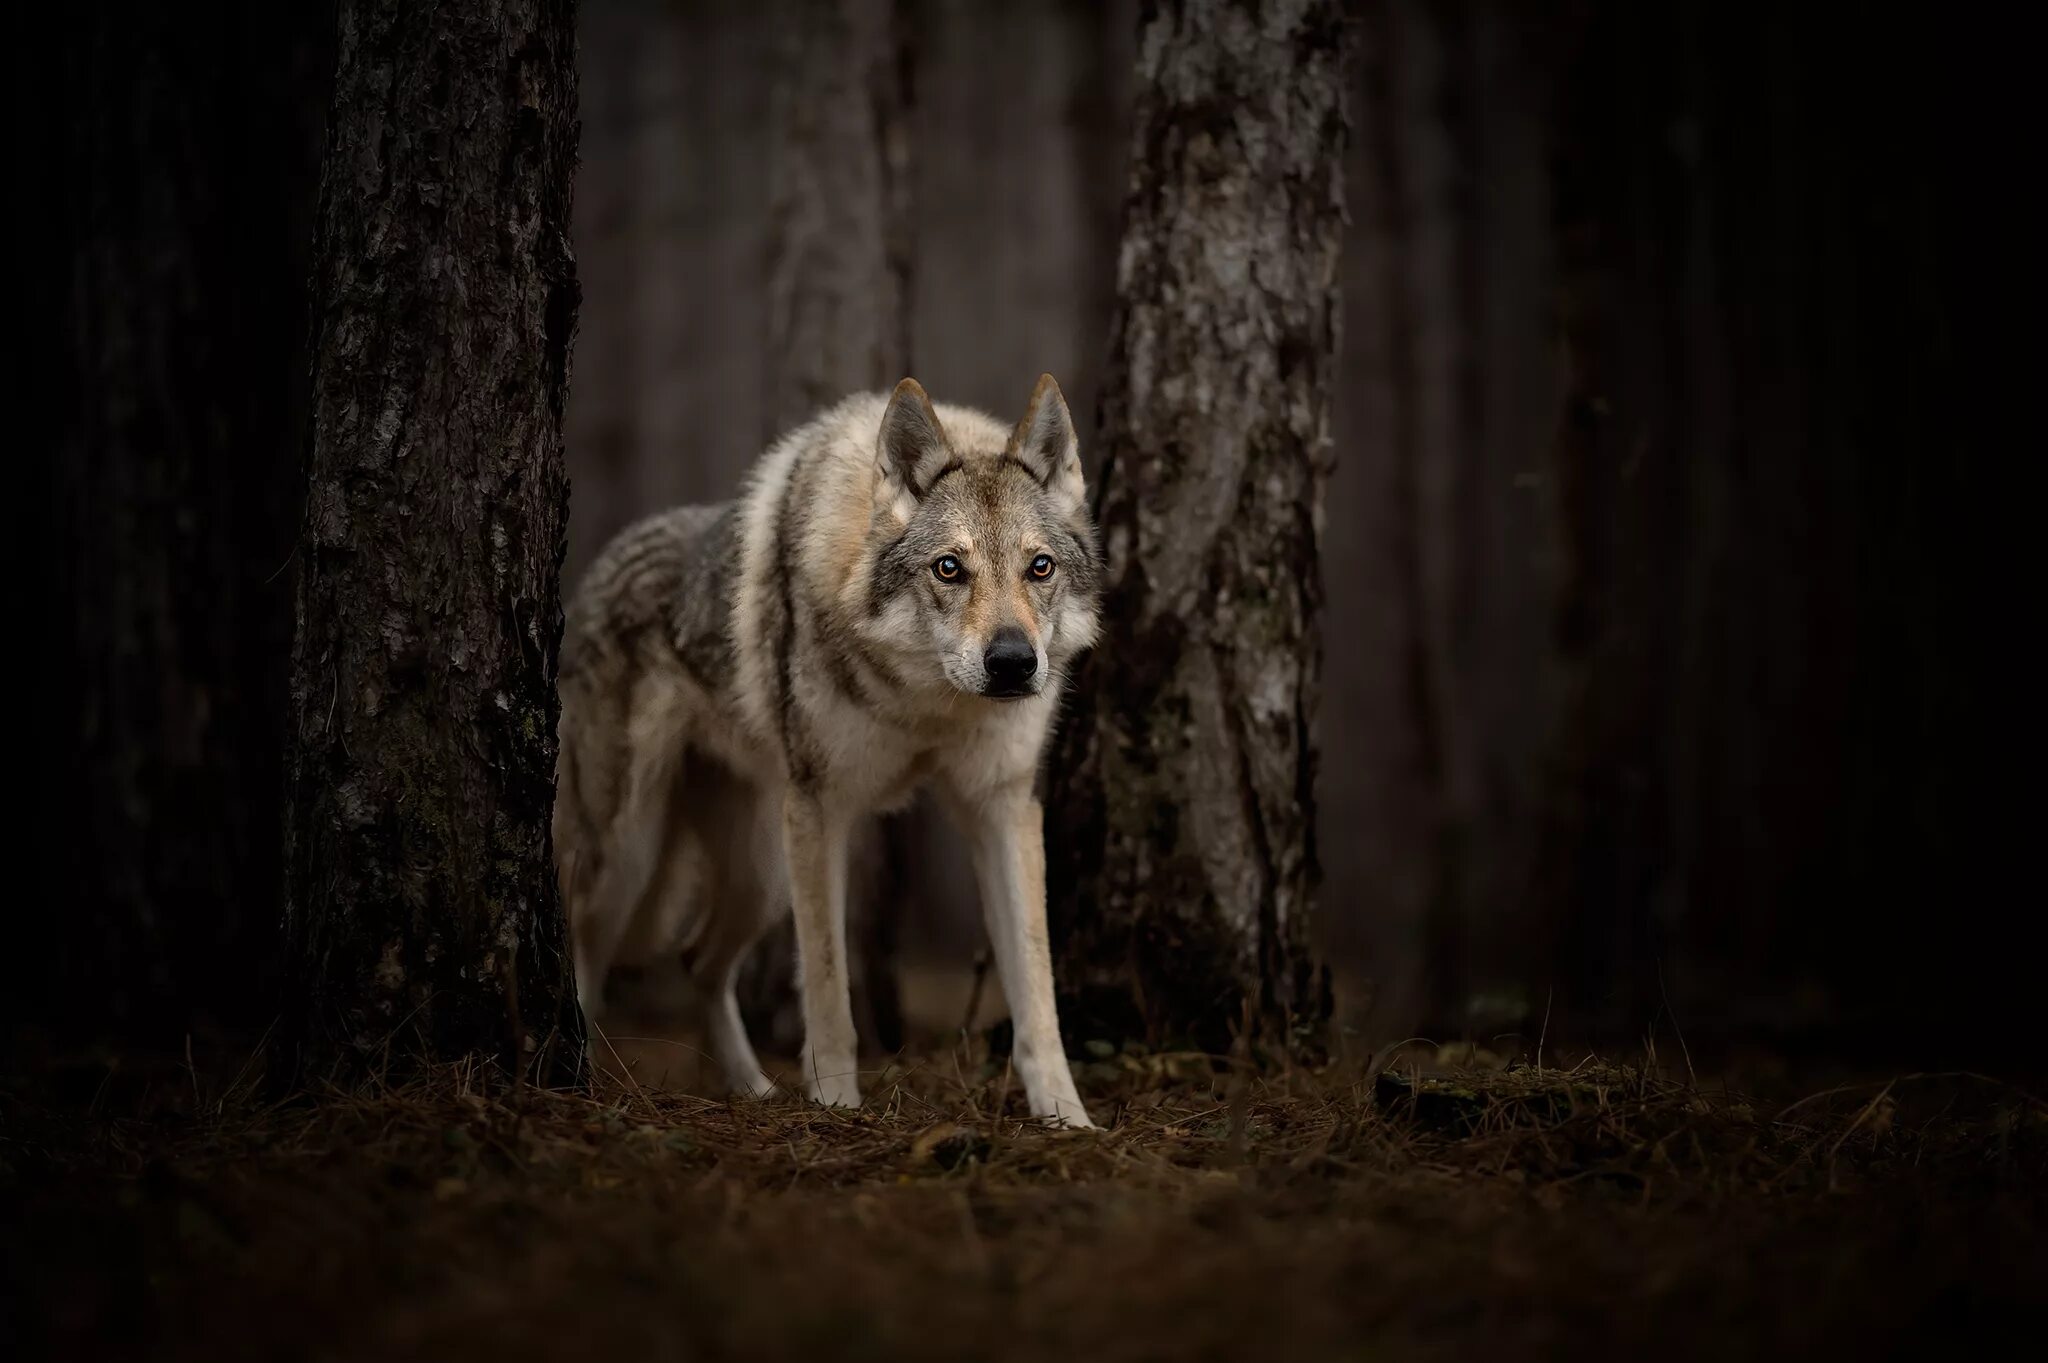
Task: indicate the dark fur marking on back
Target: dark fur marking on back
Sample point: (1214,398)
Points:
(795,750)
(700,623)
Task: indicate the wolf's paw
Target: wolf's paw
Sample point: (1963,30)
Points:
(1064,1114)
(759,1086)
(836,1091)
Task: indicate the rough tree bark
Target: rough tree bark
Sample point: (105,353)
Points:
(838,285)
(1183,810)
(183,156)
(422,914)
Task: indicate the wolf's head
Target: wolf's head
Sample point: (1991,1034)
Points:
(988,556)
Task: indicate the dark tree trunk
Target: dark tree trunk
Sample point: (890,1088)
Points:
(184,150)
(422,910)
(1182,830)
(838,321)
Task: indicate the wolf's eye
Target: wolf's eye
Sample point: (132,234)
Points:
(947,569)
(1041,567)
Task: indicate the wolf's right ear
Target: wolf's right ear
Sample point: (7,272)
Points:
(1044,443)
(911,449)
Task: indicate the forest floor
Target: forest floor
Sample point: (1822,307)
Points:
(1437,1204)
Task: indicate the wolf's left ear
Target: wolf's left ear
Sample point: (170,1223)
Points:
(1044,443)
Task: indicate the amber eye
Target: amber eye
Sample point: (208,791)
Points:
(947,569)
(1041,567)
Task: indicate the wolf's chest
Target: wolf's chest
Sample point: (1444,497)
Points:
(897,784)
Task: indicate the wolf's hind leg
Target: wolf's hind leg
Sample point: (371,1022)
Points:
(635,849)
(715,969)
(603,921)
(746,904)
(727,877)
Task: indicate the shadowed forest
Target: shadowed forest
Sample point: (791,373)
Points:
(1531,863)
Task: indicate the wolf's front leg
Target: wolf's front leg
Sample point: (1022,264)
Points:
(1008,830)
(814,839)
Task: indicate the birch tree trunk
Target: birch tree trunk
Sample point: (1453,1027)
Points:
(422,914)
(1182,824)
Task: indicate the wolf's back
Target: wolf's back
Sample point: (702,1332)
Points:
(675,562)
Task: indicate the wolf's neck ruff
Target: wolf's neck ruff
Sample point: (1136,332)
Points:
(892,601)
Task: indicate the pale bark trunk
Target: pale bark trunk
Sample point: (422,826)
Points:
(1183,815)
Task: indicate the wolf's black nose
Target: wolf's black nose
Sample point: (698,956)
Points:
(1010,660)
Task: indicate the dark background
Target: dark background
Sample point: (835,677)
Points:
(1674,542)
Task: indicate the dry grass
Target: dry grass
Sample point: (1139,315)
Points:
(1342,1213)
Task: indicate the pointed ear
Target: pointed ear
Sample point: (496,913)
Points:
(1045,444)
(911,449)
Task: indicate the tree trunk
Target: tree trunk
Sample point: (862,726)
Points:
(838,322)
(1183,813)
(839,215)
(422,913)
(184,149)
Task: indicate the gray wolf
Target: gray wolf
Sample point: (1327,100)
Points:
(892,602)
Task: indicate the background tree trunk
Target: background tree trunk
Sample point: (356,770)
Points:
(1184,800)
(1440,680)
(182,164)
(838,289)
(422,910)
(839,207)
